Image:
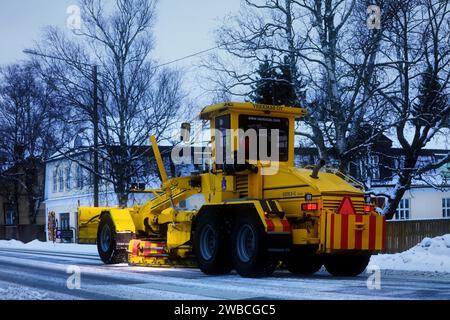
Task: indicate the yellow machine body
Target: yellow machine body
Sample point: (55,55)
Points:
(328,212)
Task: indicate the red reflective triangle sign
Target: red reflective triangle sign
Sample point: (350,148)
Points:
(346,206)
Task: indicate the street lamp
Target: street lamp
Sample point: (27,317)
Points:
(95,119)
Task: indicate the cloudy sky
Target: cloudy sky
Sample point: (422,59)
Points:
(183,27)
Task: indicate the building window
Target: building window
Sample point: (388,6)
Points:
(64,220)
(362,172)
(55,180)
(68,179)
(61,180)
(80,182)
(446,207)
(403,210)
(374,165)
(445,171)
(10,214)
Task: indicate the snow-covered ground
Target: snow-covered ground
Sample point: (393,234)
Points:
(47,271)
(49,246)
(431,254)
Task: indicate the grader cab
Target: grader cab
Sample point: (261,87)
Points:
(259,211)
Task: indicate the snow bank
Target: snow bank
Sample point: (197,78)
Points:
(431,254)
(49,246)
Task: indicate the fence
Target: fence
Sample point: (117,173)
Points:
(402,235)
(24,233)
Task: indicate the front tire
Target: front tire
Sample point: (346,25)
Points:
(347,265)
(107,243)
(249,248)
(211,244)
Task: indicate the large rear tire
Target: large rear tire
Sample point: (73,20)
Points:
(211,244)
(303,261)
(107,242)
(347,265)
(249,250)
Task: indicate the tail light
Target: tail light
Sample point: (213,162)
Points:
(310,206)
(368,208)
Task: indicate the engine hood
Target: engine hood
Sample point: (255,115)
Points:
(326,184)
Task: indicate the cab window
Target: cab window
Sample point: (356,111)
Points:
(257,123)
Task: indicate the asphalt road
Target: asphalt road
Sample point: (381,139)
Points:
(35,275)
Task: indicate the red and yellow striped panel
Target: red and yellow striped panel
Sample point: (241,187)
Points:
(152,248)
(355,232)
(146,248)
(278,225)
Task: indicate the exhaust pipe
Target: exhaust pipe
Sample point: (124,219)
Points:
(317,167)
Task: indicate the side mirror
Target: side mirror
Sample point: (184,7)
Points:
(185,134)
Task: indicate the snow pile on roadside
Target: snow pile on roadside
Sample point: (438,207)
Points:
(431,254)
(37,245)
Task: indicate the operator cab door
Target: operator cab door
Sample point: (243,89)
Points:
(222,139)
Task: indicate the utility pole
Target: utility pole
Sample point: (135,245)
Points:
(95,123)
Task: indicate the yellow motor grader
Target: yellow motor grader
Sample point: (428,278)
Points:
(253,219)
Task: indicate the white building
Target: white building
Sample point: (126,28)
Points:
(422,202)
(68,185)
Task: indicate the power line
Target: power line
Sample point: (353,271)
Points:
(188,56)
(202,52)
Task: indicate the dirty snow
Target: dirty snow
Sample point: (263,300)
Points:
(37,245)
(21,293)
(431,254)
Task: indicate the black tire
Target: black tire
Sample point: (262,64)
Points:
(347,265)
(249,247)
(211,244)
(303,261)
(107,244)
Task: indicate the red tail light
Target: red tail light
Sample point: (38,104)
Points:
(310,206)
(368,208)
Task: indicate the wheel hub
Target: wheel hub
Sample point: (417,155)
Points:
(208,243)
(246,243)
(105,238)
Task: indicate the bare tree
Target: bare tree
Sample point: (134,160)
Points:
(31,129)
(331,51)
(136,97)
(419,68)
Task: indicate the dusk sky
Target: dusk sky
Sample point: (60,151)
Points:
(183,27)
